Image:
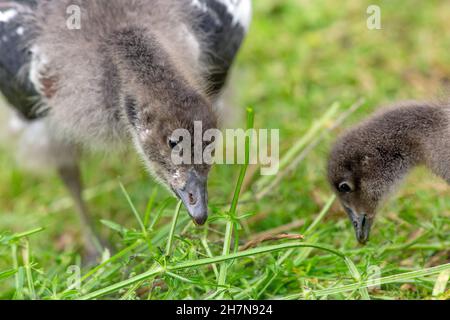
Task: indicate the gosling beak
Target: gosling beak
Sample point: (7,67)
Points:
(363,229)
(362,224)
(194,195)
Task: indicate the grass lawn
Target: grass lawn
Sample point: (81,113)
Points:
(301,59)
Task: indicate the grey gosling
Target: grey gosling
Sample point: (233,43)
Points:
(370,160)
(130,74)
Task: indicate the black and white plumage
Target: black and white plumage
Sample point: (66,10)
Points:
(220,26)
(369,160)
(14,57)
(134,72)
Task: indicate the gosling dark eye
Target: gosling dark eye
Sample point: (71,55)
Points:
(345,187)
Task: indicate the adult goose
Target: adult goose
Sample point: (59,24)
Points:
(99,74)
(368,161)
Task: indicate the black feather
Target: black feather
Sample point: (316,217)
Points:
(223,40)
(14,57)
(131,110)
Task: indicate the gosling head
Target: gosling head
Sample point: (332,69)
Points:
(165,136)
(365,165)
(161,98)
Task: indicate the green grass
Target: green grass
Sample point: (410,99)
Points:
(304,64)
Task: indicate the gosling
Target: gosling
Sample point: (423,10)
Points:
(102,74)
(370,160)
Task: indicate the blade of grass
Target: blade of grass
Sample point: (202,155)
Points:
(320,216)
(357,276)
(8,273)
(402,277)
(293,151)
(149,209)
(18,294)
(133,208)
(209,253)
(244,294)
(232,213)
(183,279)
(172,229)
(114,258)
(311,227)
(18,236)
(308,147)
(98,268)
(159,213)
(350,265)
(128,295)
(205,261)
(441,283)
(28,272)
(138,245)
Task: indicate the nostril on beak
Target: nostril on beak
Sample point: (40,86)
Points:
(194,196)
(363,221)
(192,199)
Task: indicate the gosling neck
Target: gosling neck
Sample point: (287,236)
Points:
(420,135)
(152,83)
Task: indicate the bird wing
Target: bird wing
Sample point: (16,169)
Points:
(15,57)
(222,24)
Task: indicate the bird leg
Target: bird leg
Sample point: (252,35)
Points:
(71,177)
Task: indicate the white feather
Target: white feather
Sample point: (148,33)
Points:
(241,10)
(7,15)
